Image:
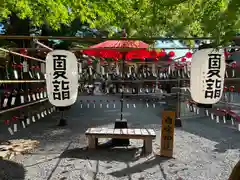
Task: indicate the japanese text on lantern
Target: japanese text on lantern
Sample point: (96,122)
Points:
(213,79)
(60,81)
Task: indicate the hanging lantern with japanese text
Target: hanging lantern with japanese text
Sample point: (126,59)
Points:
(62,78)
(207,76)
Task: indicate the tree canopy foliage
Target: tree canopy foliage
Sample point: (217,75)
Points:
(144,18)
(216,18)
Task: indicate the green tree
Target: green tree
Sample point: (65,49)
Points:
(218,19)
(145,18)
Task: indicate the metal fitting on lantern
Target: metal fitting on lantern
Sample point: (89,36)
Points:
(231,88)
(21,92)
(20,66)
(90,70)
(6,122)
(29,95)
(89,61)
(7,93)
(182,69)
(233,66)
(37,93)
(14,65)
(14,119)
(225,88)
(14,92)
(23,51)
(226,72)
(22,120)
(177,68)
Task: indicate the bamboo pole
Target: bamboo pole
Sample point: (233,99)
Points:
(22,106)
(28,49)
(79,49)
(18,54)
(102,39)
(43,45)
(21,81)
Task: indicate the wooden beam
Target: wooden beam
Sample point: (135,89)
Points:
(100,39)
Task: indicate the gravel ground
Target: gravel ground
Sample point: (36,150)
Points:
(203,150)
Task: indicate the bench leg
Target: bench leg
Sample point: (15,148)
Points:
(147,145)
(92,142)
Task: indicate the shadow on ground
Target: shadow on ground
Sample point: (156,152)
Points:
(226,137)
(129,170)
(104,154)
(10,170)
(126,155)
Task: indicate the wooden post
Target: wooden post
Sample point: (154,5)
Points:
(167,133)
(177,101)
(92,142)
(147,145)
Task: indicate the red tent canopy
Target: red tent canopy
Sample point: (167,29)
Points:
(108,53)
(138,54)
(119,47)
(121,44)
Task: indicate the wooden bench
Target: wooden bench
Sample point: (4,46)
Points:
(147,135)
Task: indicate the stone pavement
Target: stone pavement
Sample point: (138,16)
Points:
(203,150)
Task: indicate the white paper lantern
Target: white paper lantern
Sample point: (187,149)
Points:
(62,78)
(207,76)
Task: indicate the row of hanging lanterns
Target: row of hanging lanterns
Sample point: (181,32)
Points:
(141,55)
(149,54)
